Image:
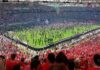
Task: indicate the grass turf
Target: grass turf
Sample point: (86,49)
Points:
(42,36)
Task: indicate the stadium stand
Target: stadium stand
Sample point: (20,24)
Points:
(82,57)
(24,14)
(79,52)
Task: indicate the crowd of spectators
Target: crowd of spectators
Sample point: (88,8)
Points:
(26,13)
(85,55)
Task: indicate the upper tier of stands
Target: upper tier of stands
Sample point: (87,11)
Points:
(13,14)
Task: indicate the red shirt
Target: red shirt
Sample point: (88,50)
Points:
(93,69)
(10,64)
(45,66)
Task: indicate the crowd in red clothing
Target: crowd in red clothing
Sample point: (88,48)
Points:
(7,47)
(65,59)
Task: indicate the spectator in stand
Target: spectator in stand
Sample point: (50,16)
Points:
(10,63)
(27,65)
(35,63)
(49,62)
(22,63)
(36,57)
(71,64)
(17,67)
(96,59)
(77,64)
(2,63)
(61,62)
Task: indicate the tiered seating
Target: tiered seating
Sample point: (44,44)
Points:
(21,13)
(7,47)
(86,49)
(83,51)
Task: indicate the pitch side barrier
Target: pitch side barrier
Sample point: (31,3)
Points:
(50,45)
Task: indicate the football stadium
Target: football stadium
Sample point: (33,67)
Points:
(49,34)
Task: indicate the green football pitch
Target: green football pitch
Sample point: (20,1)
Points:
(39,37)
